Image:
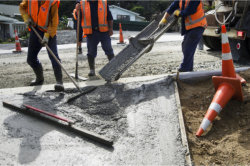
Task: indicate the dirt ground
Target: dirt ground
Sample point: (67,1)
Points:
(164,58)
(227,140)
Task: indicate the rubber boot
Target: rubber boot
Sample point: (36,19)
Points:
(80,50)
(39,76)
(91,61)
(110,57)
(59,83)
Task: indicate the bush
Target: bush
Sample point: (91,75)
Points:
(63,23)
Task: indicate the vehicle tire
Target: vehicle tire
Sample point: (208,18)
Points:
(213,43)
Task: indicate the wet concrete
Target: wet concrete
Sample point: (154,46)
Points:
(141,118)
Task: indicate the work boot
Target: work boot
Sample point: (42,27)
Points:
(39,76)
(91,61)
(59,83)
(80,50)
(110,57)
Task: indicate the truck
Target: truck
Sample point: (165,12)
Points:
(235,14)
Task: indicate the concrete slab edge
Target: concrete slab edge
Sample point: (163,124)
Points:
(182,126)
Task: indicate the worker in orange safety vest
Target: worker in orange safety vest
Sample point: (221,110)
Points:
(43,16)
(193,25)
(97,24)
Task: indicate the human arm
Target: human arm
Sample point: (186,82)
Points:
(53,21)
(168,12)
(23,8)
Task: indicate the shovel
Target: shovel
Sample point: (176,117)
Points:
(77,39)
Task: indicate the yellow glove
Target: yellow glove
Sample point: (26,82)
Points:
(163,22)
(28,21)
(25,18)
(177,13)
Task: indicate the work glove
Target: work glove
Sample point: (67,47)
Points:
(177,13)
(45,39)
(163,22)
(27,20)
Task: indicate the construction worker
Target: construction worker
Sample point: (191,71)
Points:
(80,31)
(97,24)
(193,25)
(43,16)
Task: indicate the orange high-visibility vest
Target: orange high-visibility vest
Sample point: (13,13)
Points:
(102,16)
(198,19)
(40,16)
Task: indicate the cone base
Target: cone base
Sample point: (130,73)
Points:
(17,52)
(235,82)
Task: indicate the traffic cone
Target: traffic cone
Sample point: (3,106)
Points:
(227,86)
(227,61)
(121,41)
(18,45)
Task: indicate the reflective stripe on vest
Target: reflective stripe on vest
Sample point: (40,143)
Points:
(39,17)
(102,16)
(198,19)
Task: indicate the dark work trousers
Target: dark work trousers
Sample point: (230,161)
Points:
(94,39)
(189,45)
(35,46)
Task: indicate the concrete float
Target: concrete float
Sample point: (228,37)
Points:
(151,130)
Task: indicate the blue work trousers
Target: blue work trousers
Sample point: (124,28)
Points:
(189,45)
(35,46)
(94,39)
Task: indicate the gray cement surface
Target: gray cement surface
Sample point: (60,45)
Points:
(141,118)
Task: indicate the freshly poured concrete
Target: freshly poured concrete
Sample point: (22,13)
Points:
(141,117)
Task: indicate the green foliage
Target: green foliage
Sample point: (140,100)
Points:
(138,9)
(66,8)
(63,22)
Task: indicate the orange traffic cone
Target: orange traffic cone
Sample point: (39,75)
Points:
(18,45)
(223,94)
(121,41)
(227,86)
(227,61)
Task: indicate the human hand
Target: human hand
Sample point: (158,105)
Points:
(27,20)
(177,13)
(78,6)
(110,32)
(163,22)
(45,39)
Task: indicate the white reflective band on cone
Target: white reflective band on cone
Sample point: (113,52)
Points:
(226,56)
(205,123)
(216,107)
(224,38)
